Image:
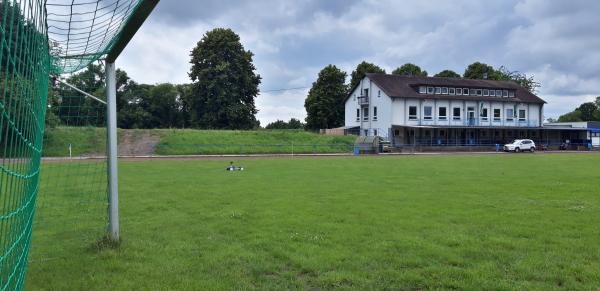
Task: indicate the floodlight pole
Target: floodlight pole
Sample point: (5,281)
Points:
(113,189)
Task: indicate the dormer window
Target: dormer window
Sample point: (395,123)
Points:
(492,93)
(422,89)
(498,93)
(438,90)
(511,93)
(465,91)
(504,93)
(472,92)
(445,90)
(486,92)
(479,92)
(451,91)
(430,90)
(459,91)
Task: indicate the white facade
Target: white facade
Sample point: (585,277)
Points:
(383,113)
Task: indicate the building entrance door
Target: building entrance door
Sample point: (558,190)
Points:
(471,116)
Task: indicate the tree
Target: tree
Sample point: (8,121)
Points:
(360,71)
(280,124)
(570,117)
(224,82)
(520,78)
(588,111)
(295,124)
(325,101)
(479,70)
(447,74)
(409,69)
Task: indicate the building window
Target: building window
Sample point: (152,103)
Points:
(484,114)
(498,93)
(430,90)
(422,89)
(378,93)
(504,93)
(511,93)
(375,132)
(357,114)
(492,93)
(510,113)
(479,92)
(427,113)
(451,91)
(445,90)
(522,116)
(486,92)
(442,114)
(374,112)
(438,90)
(366,114)
(366,93)
(412,113)
(458,91)
(497,114)
(465,91)
(456,113)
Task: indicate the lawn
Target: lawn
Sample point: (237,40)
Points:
(507,222)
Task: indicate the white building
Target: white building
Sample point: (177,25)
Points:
(438,111)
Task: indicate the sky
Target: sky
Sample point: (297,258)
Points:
(557,42)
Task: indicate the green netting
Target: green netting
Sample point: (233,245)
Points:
(83,31)
(72,200)
(41,38)
(24,73)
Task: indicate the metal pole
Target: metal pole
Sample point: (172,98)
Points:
(113,190)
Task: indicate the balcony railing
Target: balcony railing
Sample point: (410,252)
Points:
(363,100)
(475,122)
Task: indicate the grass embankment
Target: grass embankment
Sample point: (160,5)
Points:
(90,141)
(189,141)
(497,222)
(86,141)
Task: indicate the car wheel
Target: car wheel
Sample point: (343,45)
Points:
(532,149)
(517,150)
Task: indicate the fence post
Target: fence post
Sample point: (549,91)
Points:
(113,189)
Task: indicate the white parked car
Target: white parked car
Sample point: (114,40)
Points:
(519,145)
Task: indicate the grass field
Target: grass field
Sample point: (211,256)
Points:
(91,141)
(502,222)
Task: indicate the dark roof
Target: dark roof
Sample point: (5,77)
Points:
(408,87)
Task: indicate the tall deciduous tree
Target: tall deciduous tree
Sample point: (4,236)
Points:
(325,102)
(225,82)
(409,69)
(362,69)
(447,74)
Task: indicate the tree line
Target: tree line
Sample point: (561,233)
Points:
(326,99)
(221,95)
(588,111)
(224,86)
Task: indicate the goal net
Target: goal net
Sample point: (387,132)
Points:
(59,38)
